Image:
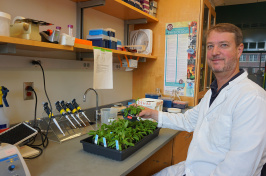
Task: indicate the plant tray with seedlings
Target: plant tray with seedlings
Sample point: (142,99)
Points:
(120,139)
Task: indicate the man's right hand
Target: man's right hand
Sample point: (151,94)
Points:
(149,113)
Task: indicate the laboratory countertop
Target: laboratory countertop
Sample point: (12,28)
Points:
(69,158)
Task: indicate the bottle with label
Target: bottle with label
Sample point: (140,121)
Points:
(4,121)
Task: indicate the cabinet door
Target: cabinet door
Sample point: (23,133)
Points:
(180,146)
(205,74)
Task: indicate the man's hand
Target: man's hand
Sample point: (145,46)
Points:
(149,113)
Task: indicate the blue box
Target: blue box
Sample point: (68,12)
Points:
(112,44)
(99,40)
(110,32)
(167,102)
(98,32)
(151,95)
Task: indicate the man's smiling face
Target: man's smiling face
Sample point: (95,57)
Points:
(222,52)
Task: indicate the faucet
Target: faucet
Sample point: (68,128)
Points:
(84,100)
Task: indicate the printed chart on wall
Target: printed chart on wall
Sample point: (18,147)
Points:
(180,58)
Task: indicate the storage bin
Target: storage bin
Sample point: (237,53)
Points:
(119,45)
(146,7)
(112,43)
(131,2)
(180,104)
(151,95)
(110,32)
(99,40)
(4,24)
(138,5)
(153,4)
(167,102)
(98,32)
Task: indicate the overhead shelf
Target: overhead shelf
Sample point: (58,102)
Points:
(33,45)
(44,46)
(123,10)
(86,48)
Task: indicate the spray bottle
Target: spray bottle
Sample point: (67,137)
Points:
(4,122)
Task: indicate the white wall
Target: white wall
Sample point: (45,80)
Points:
(62,84)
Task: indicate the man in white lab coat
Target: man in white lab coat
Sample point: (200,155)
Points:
(229,123)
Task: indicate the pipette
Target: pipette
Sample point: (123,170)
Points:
(50,115)
(63,112)
(75,104)
(63,105)
(74,111)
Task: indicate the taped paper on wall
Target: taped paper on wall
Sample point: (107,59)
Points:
(103,69)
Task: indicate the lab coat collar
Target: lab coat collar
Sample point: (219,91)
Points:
(223,94)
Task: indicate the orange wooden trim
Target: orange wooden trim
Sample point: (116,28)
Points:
(127,60)
(137,58)
(120,60)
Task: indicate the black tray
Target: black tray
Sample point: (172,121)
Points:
(118,155)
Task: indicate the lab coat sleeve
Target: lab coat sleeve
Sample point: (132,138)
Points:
(183,122)
(248,139)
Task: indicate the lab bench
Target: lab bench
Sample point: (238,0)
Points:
(69,158)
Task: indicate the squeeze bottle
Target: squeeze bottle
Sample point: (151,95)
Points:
(4,122)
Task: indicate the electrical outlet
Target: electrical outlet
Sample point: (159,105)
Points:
(117,66)
(87,65)
(27,95)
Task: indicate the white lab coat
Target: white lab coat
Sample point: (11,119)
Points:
(229,136)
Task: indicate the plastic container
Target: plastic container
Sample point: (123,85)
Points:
(151,95)
(153,4)
(174,110)
(110,32)
(4,24)
(89,146)
(146,7)
(4,122)
(70,30)
(138,5)
(99,40)
(119,45)
(108,113)
(131,2)
(167,102)
(83,42)
(112,43)
(98,32)
(151,103)
(180,104)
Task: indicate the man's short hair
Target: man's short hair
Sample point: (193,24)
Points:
(227,27)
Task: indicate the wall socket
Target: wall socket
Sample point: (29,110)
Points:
(27,95)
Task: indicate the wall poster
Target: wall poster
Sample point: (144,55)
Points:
(180,58)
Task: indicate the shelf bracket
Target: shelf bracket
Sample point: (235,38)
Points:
(120,60)
(81,55)
(80,6)
(8,48)
(126,27)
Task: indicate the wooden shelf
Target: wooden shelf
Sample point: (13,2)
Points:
(33,45)
(87,48)
(123,10)
(43,46)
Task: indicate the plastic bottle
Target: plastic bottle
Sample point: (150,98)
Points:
(4,121)
(57,33)
(158,92)
(70,30)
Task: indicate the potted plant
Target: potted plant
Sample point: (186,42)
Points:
(131,112)
(121,138)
